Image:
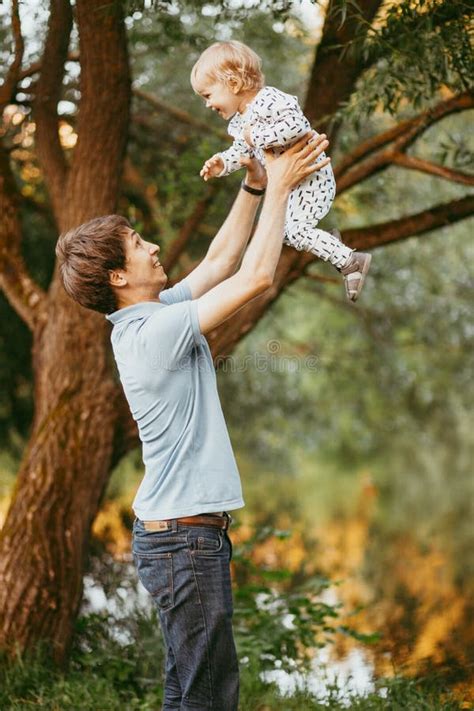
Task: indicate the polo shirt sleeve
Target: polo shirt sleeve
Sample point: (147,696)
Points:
(179,292)
(170,335)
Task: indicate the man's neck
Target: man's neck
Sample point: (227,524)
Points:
(132,300)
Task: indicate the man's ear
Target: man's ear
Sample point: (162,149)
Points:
(117,278)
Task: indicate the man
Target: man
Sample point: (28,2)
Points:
(180,541)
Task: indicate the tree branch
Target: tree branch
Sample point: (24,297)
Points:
(48,93)
(154,101)
(145,193)
(36,66)
(353,169)
(425,166)
(22,292)
(425,221)
(322,279)
(293,264)
(8,87)
(179,114)
(177,247)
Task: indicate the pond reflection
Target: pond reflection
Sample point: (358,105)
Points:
(409,589)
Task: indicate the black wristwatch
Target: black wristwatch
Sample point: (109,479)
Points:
(252,191)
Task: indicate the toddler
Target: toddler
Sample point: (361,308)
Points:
(228,76)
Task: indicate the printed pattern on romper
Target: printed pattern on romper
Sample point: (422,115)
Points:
(276,122)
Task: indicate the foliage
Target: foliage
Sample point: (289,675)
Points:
(117,656)
(391,391)
(417,49)
(108,682)
(225,10)
(278,618)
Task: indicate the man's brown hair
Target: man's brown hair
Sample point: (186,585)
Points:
(86,255)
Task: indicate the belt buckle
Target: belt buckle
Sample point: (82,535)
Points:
(156,525)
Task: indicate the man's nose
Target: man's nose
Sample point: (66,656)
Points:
(154,248)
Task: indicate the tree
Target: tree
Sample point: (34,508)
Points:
(44,539)
(81,423)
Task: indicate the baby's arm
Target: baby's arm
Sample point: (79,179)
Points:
(212,168)
(226,162)
(231,157)
(281,123)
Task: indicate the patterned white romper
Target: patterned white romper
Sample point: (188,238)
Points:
(276,121)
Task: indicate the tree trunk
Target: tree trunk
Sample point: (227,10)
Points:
(332,77)
(44,541)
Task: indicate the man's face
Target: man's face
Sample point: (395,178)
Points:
(143,277)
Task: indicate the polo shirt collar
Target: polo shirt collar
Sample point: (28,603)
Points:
(141,310)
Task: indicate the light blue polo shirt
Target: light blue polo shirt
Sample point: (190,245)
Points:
(168,376)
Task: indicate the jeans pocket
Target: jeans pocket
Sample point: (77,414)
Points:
(155,572)
(207,542)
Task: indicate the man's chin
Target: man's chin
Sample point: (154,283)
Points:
(162,281)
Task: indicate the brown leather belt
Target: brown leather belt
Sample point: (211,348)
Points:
(217,520)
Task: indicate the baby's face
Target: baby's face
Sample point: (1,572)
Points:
(220,98)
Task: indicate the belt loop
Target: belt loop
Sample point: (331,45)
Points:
(174,524)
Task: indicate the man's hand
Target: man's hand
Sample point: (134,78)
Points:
(248,135)
(256,176)
(298,162)
(259,263)
(212,167)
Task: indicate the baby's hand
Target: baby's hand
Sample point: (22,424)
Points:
(212,167)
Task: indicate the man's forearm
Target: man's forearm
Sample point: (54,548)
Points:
(264,251)
(229,243)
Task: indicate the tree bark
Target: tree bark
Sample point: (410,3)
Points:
(48,93)
(22,292)
(333,77)
(44,541)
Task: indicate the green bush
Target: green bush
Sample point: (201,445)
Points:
(117,659)
(99,686)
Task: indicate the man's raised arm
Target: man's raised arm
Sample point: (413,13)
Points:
(260,261)
(226,249)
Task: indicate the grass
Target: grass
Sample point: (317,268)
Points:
(106,674)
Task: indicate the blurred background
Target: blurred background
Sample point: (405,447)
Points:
(352,424)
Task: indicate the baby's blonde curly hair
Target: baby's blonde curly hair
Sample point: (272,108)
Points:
(232,63)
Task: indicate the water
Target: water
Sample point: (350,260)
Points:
(351,676)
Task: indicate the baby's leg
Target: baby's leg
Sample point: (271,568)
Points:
(353,265)
(307,205)
(306,236)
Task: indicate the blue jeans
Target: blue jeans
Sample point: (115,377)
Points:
(186,570)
